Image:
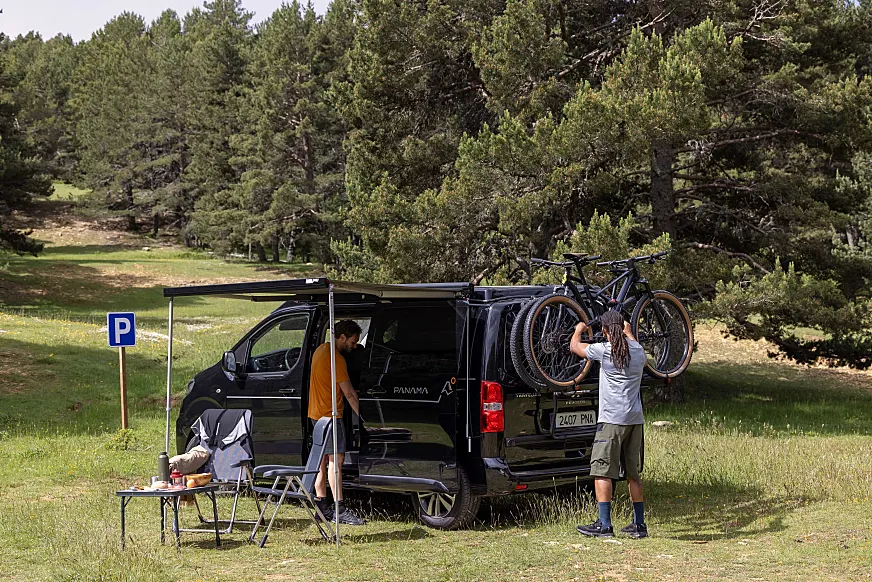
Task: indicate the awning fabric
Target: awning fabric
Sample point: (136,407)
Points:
(288,289)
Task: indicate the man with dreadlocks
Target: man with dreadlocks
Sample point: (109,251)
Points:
(621,425)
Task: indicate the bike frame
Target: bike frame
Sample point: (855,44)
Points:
(595,304)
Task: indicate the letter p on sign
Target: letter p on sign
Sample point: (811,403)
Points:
(122,329)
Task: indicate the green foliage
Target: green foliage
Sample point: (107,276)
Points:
(772,306)
(21,169)
(455,140)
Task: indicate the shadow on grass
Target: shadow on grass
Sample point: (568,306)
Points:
(74,389)
(703,513)
(406,534)
(209,544)
(92,251)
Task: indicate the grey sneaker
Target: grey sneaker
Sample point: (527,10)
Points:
(636,530)
(348,517)
(596,530)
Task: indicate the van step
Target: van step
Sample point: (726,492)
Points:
(549,474)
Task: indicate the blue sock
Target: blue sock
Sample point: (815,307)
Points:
(639,512)
(605,513)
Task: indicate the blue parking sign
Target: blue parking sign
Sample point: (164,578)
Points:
(122,329)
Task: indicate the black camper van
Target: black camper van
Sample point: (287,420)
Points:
(446,417)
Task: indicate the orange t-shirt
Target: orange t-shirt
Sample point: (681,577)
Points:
(320,399)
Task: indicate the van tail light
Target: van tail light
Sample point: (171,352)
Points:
(492,416)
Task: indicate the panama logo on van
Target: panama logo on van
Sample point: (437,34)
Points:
(410,390)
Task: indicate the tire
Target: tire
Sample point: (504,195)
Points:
(516,349)
(549,327)
(447,511)
(662,325)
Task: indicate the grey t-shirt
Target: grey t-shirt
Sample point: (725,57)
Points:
(619,399)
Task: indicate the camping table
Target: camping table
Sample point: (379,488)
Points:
(170,497)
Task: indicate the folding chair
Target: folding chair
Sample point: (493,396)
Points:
(299,484)
(226,434)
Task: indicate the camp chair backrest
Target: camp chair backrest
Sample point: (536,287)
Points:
(322,444)
(226,434)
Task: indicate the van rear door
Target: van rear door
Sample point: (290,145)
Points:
(530,444)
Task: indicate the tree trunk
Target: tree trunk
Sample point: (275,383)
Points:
(155,225)
(131,217)
(671,393)
(656,8)
(261,252)
(662,190)
(310,163)
(275,249)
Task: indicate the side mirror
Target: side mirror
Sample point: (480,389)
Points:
(228,363)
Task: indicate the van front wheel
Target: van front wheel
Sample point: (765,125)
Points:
(448,510)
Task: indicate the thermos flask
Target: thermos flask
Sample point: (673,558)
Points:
(163,467)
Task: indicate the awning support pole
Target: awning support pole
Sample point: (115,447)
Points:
(333,394)
(169,371)
(469,415)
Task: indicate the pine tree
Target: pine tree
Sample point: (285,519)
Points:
(21,171)
(110,113)
(220,38)
(43,75)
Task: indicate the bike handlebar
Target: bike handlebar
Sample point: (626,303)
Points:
(652,258)
(547,263)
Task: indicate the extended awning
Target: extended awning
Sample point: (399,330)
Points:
(311,289)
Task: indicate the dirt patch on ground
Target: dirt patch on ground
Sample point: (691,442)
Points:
(19,371)
(62,224)
(714,347)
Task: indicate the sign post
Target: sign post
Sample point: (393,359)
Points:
(122,334)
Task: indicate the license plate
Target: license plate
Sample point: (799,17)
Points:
(574,419)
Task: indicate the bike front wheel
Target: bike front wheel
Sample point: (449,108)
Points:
(662,325)
(549,328)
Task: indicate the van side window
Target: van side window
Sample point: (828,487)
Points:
(277,349)
(414,338)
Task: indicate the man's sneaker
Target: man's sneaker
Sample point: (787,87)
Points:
(348,517)
(636,530)
(596,530)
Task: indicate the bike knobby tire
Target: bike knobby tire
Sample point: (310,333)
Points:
(548,329)
(516,349)
(662,325)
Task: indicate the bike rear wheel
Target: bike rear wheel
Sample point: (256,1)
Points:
(662,325)
(516,349)
(547,331)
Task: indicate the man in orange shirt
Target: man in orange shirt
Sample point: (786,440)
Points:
(321,404)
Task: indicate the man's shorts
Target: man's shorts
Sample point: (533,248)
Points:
(614,446)
(340,437)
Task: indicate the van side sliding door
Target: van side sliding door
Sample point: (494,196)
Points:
(275,363)
(408,397)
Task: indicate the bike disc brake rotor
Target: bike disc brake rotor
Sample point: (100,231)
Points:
(552,332)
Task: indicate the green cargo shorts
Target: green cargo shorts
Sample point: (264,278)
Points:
(614,446)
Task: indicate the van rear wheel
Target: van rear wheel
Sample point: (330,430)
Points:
(448,510)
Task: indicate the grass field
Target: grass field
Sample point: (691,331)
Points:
(763,474)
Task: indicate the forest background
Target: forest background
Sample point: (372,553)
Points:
(406,141)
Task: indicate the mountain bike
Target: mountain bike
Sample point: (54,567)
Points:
(658,319)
